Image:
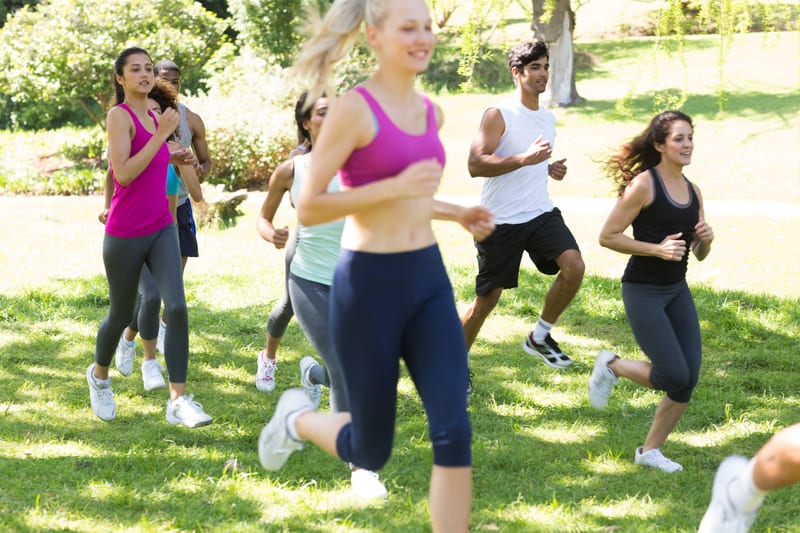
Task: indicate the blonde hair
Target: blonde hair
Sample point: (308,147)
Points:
(333,39)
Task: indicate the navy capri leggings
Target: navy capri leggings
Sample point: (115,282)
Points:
(665,324)
(385,307)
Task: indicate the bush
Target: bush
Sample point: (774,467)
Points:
(249,118)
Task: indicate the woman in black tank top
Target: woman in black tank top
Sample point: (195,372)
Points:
(666,212)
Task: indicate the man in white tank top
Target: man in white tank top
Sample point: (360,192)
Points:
(512,151)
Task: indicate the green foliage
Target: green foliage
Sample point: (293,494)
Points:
(248,113)
(63,51)
(272,28)
(9,6)
(484,17)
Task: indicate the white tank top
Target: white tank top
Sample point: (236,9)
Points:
(520,195)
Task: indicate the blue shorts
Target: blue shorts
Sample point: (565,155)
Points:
(187,231)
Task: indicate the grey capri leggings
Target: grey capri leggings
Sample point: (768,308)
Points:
(311,302)
(664,322)
(123,259)
(283,312)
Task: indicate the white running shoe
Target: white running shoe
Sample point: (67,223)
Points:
(101,397)
(265,375)
(151,375)
(162,331)
(655,459)
(366,484)
(314,392)
(602,380)
(723,516)
(275,445)
(184,410)
(126,351)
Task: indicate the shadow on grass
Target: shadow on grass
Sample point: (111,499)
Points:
(541,453)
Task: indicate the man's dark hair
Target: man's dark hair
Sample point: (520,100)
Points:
(524,53)
(165,65)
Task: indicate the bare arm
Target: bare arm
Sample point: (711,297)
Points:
(477,220)
(200,144)
(703,233)
(637,195)
(108,192)
(280,182)
(348,126)
(121,130)
(482,159)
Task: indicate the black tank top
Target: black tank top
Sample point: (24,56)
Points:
(661,218)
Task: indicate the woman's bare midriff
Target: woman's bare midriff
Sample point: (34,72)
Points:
(400,225)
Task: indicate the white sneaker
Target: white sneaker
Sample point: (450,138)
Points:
(101,397)
(265,375)
(365,484)
(275,445)
(126,351)
(602,380)
(186,411)
(151,375)
(655,459)
(162,331)
(723,516)
(314,392)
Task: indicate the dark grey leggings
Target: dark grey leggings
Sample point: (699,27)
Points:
(148,304)
(311,302)
(665,324)
(123,259)
(282,313)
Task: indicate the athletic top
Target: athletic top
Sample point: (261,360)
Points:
(185,141)
(141,207)
(520,195)
(661,218)
(392,149)
(317,246)
(173,181)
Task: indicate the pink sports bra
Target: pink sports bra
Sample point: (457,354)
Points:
(392,149)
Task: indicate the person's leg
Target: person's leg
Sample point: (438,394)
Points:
(148,316)
(777,463)
(164,264)
(435,358)
(123,260)
(278,321)
(668,413)
(741,485)
(565,286)
(473,318)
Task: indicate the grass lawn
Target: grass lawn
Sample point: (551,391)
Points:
(544,460)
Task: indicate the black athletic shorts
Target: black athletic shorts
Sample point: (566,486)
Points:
(187,232)
(544,238)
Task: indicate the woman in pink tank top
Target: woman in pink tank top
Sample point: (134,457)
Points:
(390,292)
(139,231)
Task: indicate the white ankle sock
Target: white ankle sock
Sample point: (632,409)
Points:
(744,493)
(291,419)
(541,330)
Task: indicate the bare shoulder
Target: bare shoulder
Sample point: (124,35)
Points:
(640,190)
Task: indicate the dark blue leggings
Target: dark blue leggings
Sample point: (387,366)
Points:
(123,259)
(665,324)
(385,307)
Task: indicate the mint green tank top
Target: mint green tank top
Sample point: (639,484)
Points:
(317,246)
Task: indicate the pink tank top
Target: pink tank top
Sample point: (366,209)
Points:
(141,207)
(392,149)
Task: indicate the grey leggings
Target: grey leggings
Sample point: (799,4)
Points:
(311,303)
(124,259)
(665,324)
(148,303)
(282,313)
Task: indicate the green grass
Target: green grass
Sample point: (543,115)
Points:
(544,460)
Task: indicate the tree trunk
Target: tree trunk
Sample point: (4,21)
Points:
(558,34)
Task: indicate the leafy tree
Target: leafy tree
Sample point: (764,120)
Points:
(272,28)
(9,6)
(63,50)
